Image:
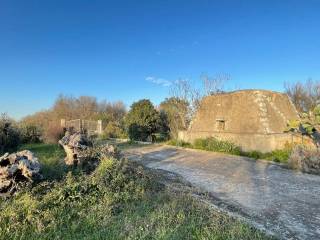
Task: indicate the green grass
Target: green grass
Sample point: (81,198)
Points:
(215,145)
(280,156)
(180,143)
(51,159)
(119,200)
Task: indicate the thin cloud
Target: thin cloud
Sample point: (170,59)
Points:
(159,81)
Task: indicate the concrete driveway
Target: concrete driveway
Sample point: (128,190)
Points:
(285,202)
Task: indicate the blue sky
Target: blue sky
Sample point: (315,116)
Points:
(128,50)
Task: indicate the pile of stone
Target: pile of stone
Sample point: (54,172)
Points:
(15,168)
(80,151)
(76,147)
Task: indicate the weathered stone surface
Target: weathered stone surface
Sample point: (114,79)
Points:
(255,120)
(17,167)
(76,146)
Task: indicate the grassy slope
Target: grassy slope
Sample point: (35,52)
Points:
(119,200)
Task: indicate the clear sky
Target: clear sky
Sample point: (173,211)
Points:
(128,50)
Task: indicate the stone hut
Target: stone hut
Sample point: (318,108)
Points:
(252,119)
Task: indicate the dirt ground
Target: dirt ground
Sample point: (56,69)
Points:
(278,200)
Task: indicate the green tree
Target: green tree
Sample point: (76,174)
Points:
(142,120)
(9,135)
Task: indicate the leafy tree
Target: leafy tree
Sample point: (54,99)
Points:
(176,111)
(142,120)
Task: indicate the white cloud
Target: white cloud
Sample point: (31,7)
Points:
(159,81)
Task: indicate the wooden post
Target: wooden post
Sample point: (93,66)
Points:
(63,123)
(99,127)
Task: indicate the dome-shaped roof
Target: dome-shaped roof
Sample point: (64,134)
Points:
(244,111)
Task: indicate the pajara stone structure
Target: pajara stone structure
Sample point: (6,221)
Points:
(76,146)
(252,119)
(15,168)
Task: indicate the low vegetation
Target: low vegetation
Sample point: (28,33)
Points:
(9,135)
(305,160)
(215,145)
(118,200)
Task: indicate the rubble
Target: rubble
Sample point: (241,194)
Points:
(17,167)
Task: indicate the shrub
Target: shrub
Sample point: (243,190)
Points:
(200,143)
(30,133)
(305,160)
(179,143)
(53,133)
(138,132)
(161,137)
(281,155)
(213,144)
(9,135)
(113,130)
(253,154)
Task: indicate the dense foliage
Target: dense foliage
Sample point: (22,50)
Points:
(215,145)
(9,135)
(176,111)
(142,120)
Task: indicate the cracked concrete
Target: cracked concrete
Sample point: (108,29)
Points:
(282,201)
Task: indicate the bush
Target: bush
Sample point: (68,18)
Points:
(138,133)
(281,155)
(179,143)
(30,133)
(113,130)
(215,145)
(9,135)
(53,133)
(253,154)
(305,160)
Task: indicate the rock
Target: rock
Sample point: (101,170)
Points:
(109,150)
(75,145)
(17,167)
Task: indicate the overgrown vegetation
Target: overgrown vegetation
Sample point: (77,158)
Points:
(305,160)
(142,120)
(119,200)
(215,145)
(9,135)
(45,125)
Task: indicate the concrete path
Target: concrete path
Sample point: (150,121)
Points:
(282,201)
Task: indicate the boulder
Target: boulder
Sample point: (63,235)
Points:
(17,167)
(76,146)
